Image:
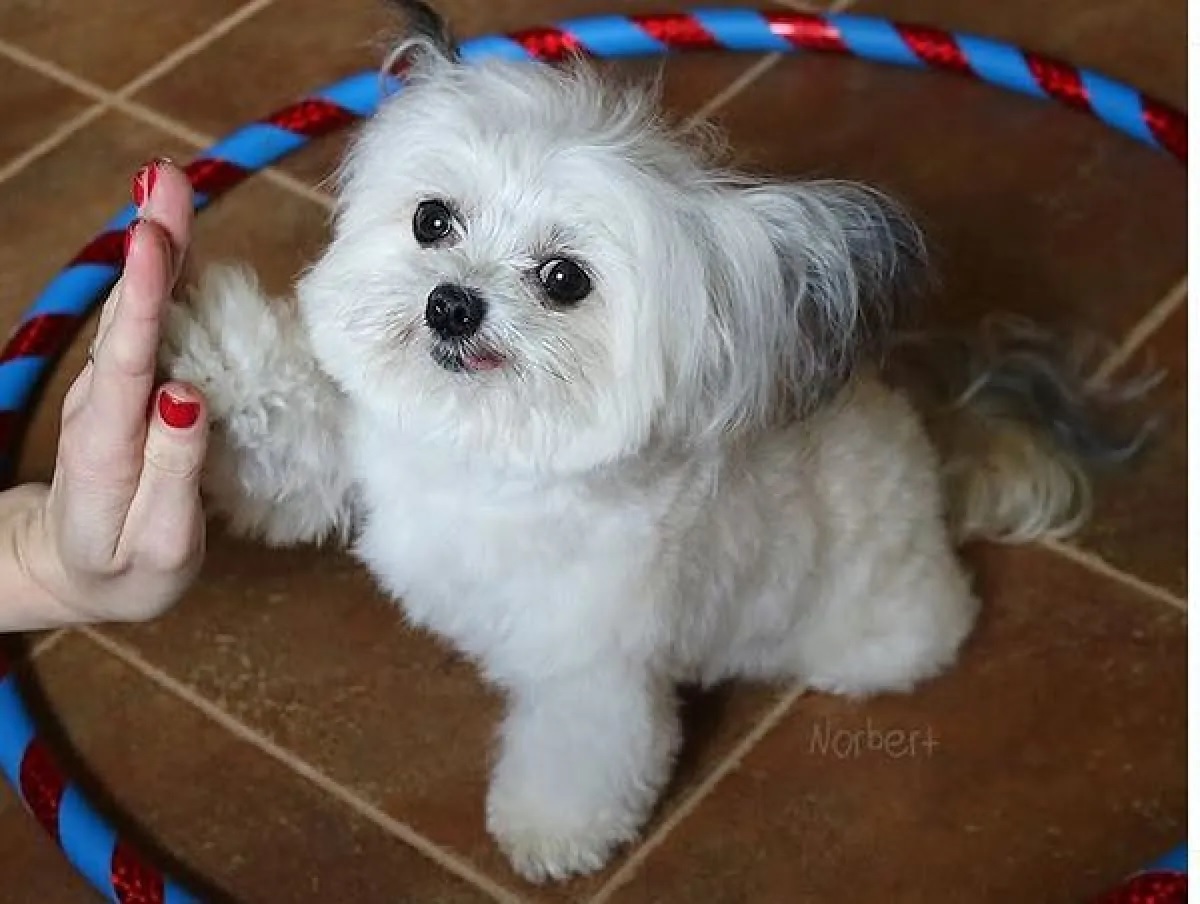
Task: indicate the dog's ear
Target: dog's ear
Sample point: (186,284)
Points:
(424,39)
(851,263)
(806,282)
(854,263)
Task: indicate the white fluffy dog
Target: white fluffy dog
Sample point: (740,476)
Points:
(607,418)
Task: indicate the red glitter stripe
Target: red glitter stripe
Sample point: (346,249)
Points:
(1059,80)
(106,248)
(311,117)
(1166,125)
(46,334)
(135,881)
(935,47)
(42,786)
(678,30)
(807,31)
(213,177)
(1150,888)
(549,44)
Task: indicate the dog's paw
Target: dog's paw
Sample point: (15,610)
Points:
(544,841)
(221,338)
(190,353)
(275,467)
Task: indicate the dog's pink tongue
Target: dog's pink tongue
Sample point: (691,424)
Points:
(484,362)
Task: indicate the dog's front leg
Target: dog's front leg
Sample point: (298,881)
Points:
(276,466)
(582,762)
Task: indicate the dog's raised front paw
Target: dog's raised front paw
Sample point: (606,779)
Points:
(275,467)
(227,339)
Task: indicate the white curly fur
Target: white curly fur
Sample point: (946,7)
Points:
(693,474)
(277,466)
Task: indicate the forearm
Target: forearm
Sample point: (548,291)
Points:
(26,604)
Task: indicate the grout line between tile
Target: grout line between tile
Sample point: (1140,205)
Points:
(51,141)
(53,71)
(629,868)
(1143,330)
(388,824)
(109,101)
(185,133)
(1138,335)
(194,46)
(737,85)
(733,89)
(105,99)
(120,100)
(1098,565)
(655,840)
(47,643)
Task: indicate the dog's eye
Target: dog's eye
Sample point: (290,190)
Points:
(432,222)
(564,281)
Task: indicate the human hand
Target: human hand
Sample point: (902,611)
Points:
(119,533)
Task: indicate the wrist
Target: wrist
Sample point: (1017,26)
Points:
(30,574)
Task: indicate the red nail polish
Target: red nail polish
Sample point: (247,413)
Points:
(138,189)
(143,182)
(177,413)
(129,231)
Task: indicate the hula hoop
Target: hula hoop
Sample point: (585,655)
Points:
(108,862)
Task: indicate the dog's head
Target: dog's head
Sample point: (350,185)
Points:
(529,264)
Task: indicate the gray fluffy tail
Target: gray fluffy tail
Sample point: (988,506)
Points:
(1020,418)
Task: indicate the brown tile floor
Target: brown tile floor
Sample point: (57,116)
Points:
(287,739)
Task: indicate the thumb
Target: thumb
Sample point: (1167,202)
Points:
(169,523)
(177,438)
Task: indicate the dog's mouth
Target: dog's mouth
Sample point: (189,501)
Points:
(465,357)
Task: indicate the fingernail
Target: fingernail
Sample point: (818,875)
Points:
(177,413)
(143,182)
(129,231)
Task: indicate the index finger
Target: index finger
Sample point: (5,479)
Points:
(126,359)
(169,203)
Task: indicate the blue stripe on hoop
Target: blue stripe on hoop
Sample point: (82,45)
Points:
(18,377)
(359,93)
(18,730)
(875,39)
(1000,64)
(1117,105)
(75,290)
(613,36)
(1176,861)
(79,288)
(742,29)
(122,219)
(86,840)
(255,146)
(173,894)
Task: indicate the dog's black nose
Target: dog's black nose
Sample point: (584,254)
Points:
(454,312)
